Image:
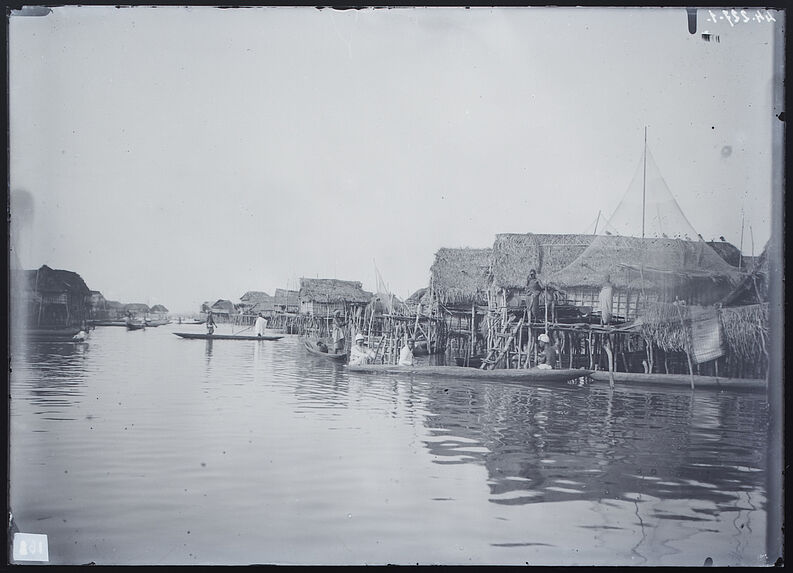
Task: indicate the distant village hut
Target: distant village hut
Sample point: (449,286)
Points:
(286,301)
(159,312)
(137,309)
(322,297)
(115,310)
(254,302)
(223,310)
(98,306)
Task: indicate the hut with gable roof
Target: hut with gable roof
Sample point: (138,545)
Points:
(51,299)
(458,296)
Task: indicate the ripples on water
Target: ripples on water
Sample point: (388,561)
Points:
(143,448)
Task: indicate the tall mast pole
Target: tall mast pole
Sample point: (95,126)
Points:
(740,248)
(644,179)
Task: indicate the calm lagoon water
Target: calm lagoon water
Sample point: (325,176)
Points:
(144,448)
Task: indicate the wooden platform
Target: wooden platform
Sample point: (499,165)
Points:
(680,380)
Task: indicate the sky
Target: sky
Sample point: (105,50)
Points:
(175,155)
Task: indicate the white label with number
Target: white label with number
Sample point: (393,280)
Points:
(31,547)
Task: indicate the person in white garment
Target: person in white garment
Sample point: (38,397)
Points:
(260,325)
(406,354)
(359,354)
(606,299)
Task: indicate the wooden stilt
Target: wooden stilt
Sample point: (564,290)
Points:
(610,355)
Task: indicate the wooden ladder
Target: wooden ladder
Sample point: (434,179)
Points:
(507,335)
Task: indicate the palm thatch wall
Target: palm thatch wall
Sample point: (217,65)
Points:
(460,277)
(514,255)
(744,331)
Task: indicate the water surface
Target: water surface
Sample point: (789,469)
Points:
(144,448)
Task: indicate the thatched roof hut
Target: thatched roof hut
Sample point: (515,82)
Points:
(223,305)
(324,296)
(55,281)
(460,277)
(259,301)
(286,300)
(514,255)
(137,307)
(662,262)
(159,308)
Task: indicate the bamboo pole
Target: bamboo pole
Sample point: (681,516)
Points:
(610,355)
(473,334)
(591,352)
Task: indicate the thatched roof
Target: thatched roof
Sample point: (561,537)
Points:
(658,260)
(222,305)
(158,308)
(727,251)
(417,296)
(258,300)
(460,276)
(332,290)
(285,297)
(514,255)
(137,307)
(50,280)
(254,296)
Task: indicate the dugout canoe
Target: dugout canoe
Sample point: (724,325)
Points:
(330,355)
(136,325)
(517,374)
(107,322)
(204,336)
(680,380)
(54,334)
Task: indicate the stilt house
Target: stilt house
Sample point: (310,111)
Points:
(52,298)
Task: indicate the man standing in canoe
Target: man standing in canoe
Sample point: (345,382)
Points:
(261,324)
(210,323)
(338,333)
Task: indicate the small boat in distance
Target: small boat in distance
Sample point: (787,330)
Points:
(204,336)
(153,322)
(135,325)
(312,349)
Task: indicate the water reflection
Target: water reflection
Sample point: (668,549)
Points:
(53,373)
(567,443)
